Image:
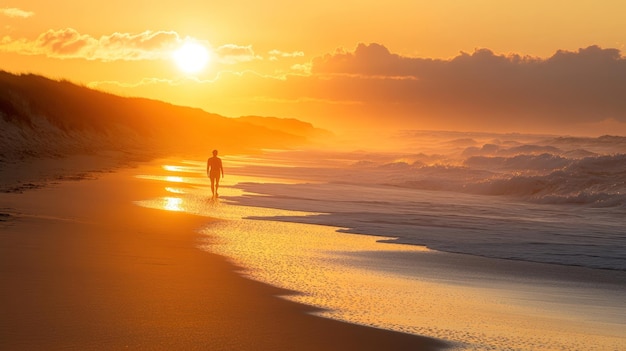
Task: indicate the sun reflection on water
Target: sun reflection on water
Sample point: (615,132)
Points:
(172,168)
(174,190)
(174,179)
(173,204)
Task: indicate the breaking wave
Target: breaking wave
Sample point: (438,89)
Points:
(600,181)
(559,170)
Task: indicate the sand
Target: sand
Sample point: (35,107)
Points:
(84,268)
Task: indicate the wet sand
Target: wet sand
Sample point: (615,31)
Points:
(84,268)
(475,302)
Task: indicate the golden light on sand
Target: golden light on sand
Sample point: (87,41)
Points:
(191,57)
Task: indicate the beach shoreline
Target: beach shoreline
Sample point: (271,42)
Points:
(477,303)
(481,303)
(86,268)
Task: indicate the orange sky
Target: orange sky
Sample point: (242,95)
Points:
(348,63)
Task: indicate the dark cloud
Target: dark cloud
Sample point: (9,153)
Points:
(585,86)
(368,60)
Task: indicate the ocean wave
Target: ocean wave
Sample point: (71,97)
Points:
(546,178)
(599,181)
(497,150)
(542,162)
(554,170)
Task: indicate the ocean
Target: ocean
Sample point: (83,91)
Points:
(490,241)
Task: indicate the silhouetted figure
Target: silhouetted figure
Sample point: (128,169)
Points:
(213,170)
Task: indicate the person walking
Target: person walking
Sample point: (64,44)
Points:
(213,170)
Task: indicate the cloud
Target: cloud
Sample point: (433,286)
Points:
(15,12)
(143,82)
(187,81)
(147,45)
(231,54)
(583,86)
(276,54)
(366,60)
(69,43)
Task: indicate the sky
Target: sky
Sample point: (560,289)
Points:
(468,65)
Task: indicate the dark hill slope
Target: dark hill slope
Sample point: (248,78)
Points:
(43,117)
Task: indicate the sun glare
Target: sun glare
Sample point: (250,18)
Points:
(191,57)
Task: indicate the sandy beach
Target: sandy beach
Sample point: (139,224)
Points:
(84,268)
(402,175)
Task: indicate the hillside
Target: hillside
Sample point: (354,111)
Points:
(41,117)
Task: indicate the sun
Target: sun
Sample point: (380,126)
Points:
(191,57)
